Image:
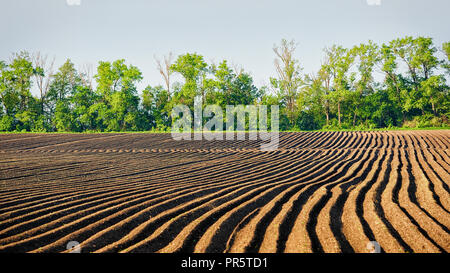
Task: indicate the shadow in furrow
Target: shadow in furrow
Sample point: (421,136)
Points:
(379,209)
(314,213)
(360,201)
(336,210)
(395,195)
(289,221)
(412,189)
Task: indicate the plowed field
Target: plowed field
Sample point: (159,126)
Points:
(319,192)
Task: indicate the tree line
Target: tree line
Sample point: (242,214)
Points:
(402,83)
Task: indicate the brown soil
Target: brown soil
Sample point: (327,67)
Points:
(318,192)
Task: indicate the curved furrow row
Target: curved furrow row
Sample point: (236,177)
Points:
(216,243)
(238,186)
(318,192)
(426,193)
(124,207)
(318,200)
(142,188)
(148,241)
(329,222)
(141,230)
(437,175)
(287,219)
(264,225)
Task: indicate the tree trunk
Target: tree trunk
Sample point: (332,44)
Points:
(339,113)
(292,112)
(42,105)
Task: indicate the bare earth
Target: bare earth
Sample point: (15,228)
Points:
(319,192)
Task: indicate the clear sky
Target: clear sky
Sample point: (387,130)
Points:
(241,31)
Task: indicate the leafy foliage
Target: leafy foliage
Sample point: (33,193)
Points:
(400,83)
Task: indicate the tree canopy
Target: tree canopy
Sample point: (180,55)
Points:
(399,83)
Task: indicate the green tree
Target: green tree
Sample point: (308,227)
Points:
(118,108)
(64,83)
(289,78)
(418,54)
(58,98)
(446,51)
(81,100)
(155,102)
(315,102)
(8,95)
(434,93)
(337,65)
(193,69)
(393,80)
(20,106)
(368,57)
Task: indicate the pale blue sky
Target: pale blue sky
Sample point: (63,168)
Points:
(241,31)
